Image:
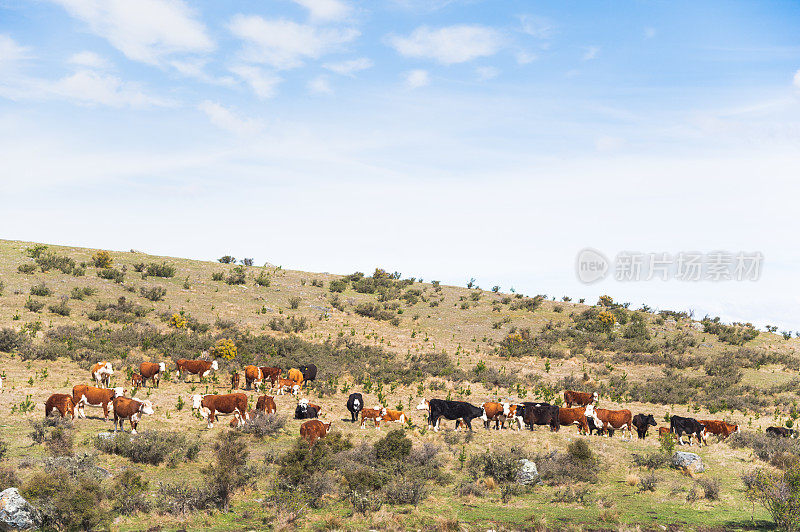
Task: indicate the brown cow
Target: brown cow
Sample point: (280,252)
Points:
(393,415)
(130,409)
(497,412)
(609,420)
(252,375)
(579,398)
(314,429)
(295,375)
(576,416)
(137,381)
(195,367)
(83,395)
(152,370)
(665,430)
(235,380)
(210,405)
(273,374)
(371,413)
(719,428)
(287,385)
(101,373)
(266,404)
(61,402)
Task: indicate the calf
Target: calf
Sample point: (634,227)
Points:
(680,425)
(313,430)
(540,414)
(610,420)
(101,373)
(305,410)
(211,405)
(579,398)
(83,395)
(355,403)
(235,380)
(781,432)
(152,371)
(130,409)
(195,367)
(371,413)
(573,416)
(393,415)
(266,404)
(309,372)
(137,381)
(720,429)
(642,422)
(497,412)
(273,374)
(295,375)
(453,410)
(665,430)
(61,402)
(252,376)
(287,385)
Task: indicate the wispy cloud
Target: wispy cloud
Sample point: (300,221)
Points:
(264,84)
(449,45)
(590,53)
(146,30)
(325,10)
(10,51)
(88,59)
(285,44)
(523,57)
(225,118)
(320,85)
(415,79)
(349,67)
(535,26)
(796,79)
(486,73)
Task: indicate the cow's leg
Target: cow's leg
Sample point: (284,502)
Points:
(435,423)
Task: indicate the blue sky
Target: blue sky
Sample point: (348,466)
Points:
(443,139)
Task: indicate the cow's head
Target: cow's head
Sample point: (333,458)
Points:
(650,420)
(119,391)
(146,407)
(595,397)
(328,426)
(423,405)
(108,369)
(382,410)
(197,401)
(214,365)
(590,413)
(295,389)
(162,367)
(303,403)
(506,409)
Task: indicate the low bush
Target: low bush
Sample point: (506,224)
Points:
(564,469)
(67,503)
(34,305)
(262,279)
(130,493)
(51,261)
(218,276)
(237,275)
(261,425)
(780,452)
(291,324)
(41,290)
(10,339)
(155,269)
(294,302)
(500,465)
(149,447)
(55,432)
(229,471)
(26,268)
(394,446)
(81,292)
(61,308)
(779,494)
(652,460)
(648,483)
(337,285)
(102,259)
(111,274)
(405,491)
(710,487)
(154,293)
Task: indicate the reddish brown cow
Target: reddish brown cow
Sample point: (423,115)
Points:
(273,374)
(252,375)
(287,385)
(102,372)
(61,402)
(314,429)
(393,415)
(195,367)
(371,413)
(579,398)
(235,380)
(83,395)
(266,404)
(130,409)
(295,375)
(211,405)
(497,412)
(153,371)
(665,430)
(608,420)
(137,381)
(576,416)
(719,428)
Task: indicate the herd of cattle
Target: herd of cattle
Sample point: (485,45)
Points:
(580,409)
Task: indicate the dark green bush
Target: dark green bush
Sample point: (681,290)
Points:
(394,446)
(337,285)
(34,305)
(65,503)
(229,470)
(111,274)
(238,275)
(51,261)
(155,269)
(41,290)
(61,308)
(149,446)
(26,268)
(502,466)
(130,493)
(153,293)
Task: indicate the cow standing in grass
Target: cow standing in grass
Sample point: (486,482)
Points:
(60,402)
(642,422)
(132,410)
(195,367)
(83,395)
(101,373)
(152,371)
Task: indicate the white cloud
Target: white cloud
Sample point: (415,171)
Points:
(649,33)
(85,87)
(88,59)
(320,85)
(283,43)
(796,79)
(323,10)
(10,51)
(349,67)
(195,68)
(523,57)
(224,118)
(449,45)
(591,53)
(145,30)
(539,27)
(264,84)
(417,78)
(487,72)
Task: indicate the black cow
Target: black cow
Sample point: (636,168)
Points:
(679,425)
(454,410)
(540,414)
(642,422)
(355,404)
(780,432)
(305,410)
(309,372)
(592,426)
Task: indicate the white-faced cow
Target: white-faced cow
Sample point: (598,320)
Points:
(152,371)
(610,420)
(101,373)
(83,394)
(452,410)
(195,367)
(305,410)
(212,405)
(679,425)
(314,429)
(132,410)
(355,403)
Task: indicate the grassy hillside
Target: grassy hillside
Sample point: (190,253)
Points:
(395,340)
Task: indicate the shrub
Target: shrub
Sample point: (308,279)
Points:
(218,276)
(227,259)
(40,289)
(710,487)
(394,446)
(262,279)
(779,494)
(261,425)
(780,452)
(580,450)
(80,293)
(238,275)
(405,491)
(155,269)
(154,293)
(337,285)
(224,348)
(34,305)
(564,469)
(229,471)
(130,493)
(9,339)
(8,477)
(178,320)
(500,465)
(652,460)
(55,432)
(51,261)
(294,302)
(648,483)
(139,267)
(302,460)
(287,325)
(61,308)
(65,503)
(35,250)
(111,274)
(27,268)
(149,446)
(247,262)
(102,259)
(179,499)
